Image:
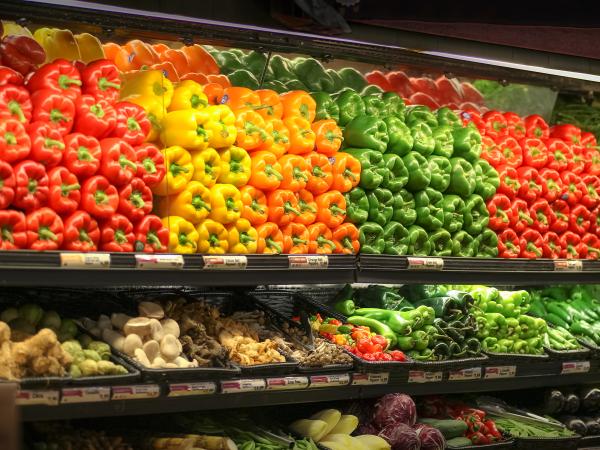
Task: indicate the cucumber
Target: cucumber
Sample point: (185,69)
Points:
(449,428)
(459,442)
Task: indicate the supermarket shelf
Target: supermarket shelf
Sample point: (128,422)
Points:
(122,23)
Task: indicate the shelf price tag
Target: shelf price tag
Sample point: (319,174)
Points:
(322,381)
(225,262)
(366,379)
(420,376)
(160,261)
(135,392)
(238,386)
(568,265)
(185,389)
(85,260)
(308,261)
(472,373)
(285,383)
(575,367)
(425,263)
(500,372)
(85,395)
(38,397)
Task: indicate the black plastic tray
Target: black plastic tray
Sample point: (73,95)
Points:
(567,443)
(594,349)
(275,369)
(496,445)
(525,364)
(326,369)
(569,355)
(589,441)
(43,382)
(452,364)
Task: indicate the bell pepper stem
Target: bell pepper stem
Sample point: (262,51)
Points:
(200,131)
(10,138)
(299,174)
(46,234)
(32,186)
(336,210)
(525,217)
(230,205)
(83,154)
(298,241)
(104,84)
(306,207)
(136,199)
(213,240)
(83,236)
(65,189)
(7,235)
(256,207)
(199,204)
(53,143)
(56,116)
(502,213)
(322,241)
(120,237)
(97,110)
(100,197)
(347,243)
(15,109)
(532,248)
(288,208)
(153,239)
(176,169)
(183,239)
(196,101)
(318,172)
(349,174)
(272,244)
(65,81)
(132,124)
(245,238)
(271,172)
(149,165)
(124,162)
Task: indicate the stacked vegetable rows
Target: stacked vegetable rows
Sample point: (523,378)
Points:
(547,201)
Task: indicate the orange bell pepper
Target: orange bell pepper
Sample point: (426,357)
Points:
(283,207)
(346,172)
(160,48)
(251,131)
(270,104)
(321,175)
(198,77)
(280,135)
(270,238)
(302,138)
(331,208)
(200,60)
(255,208)
(123,61)
(141,54)
(295,238)
(298,104)
(110,50)
(320,236)
(214,92)
(219,79)
(345,237)
(178,59)
(328,136)
(307,207)
(295,172)
(266,171)
(168,70)
(240,99)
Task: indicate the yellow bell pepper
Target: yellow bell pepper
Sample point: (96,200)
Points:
(212,237)
(226,202)
(186,129)
(183,237)
(57,44)
(207,166)
(221,122)
(14,29)
(147,83)
(235,166)
(188,95)
(243,237)
(193,203)
(179,171)
(90,47)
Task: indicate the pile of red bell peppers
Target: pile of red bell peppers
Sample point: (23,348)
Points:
(75,173)
(548,201)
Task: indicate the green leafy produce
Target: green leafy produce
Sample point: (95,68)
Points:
(520,98)
(571,110)
(523,428)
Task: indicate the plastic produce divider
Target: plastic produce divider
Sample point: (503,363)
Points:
(9,425)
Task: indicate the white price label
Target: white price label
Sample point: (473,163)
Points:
(237,386)
(365,379)
(284,383)
(85,260)
(156,261)
(500,372)
(472,373)
(321,381)
(184,389)
(308,261)
(38,397)
(85,395)
(420,376)
(568,265)
(135,392)
(425,263)
(575,367)
(225,262)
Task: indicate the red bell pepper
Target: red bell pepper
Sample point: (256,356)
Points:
(59,76)
(94,117)
(579,220)
(99,197)
(21,53)
(82,155)
(531,244)
(47,144)
(81,232)
(551,247)
(559,154)
(64,191)
(535,153)
(521,219)
(473,117)
(116,234)
(554,185)
(31,190)
(491,152)
(7,184)
(13,231)
(101,80)
(132,125)
(571,245)
(512,151)
(118,163)
(591,194)
(490,428)
(508,244)
(495,124)
(562,211)
(536,127)
(588,140)
(568,133)
(135,200)
(51,107)
(10,76)
(509,181)
(499,208)
(15,143)
(592,161)
(592,246)
(515,125)
(542,215)
(44,230)
(151,235)
(573,188)
(478,438)
(595,221)
(15,103)
(533,185)
(578,161)
(150,164)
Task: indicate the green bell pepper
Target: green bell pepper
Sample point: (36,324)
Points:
(371,89)
(488,179)
(381,203)
(440,168)
(446,116)
(394,105)
(487,244)
(444,142)
(327,108)
(400,140)
(366,132)
(453,207)
(243,78)
(467,143)
(419,175)
(442,243)
(228,62)
(373,168)
(352,78)
(357,206)
(396,175)
(255,62)
(281,68)
(465,244)
(275,85)
(429,215)
(295,85)
(463,180)
(370,237)
(312,73)
(476,215)
(338,82)
(395,235)
(374,105)
(420,113)
(350,105)
(418,241)
(423,141)
(404,208)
